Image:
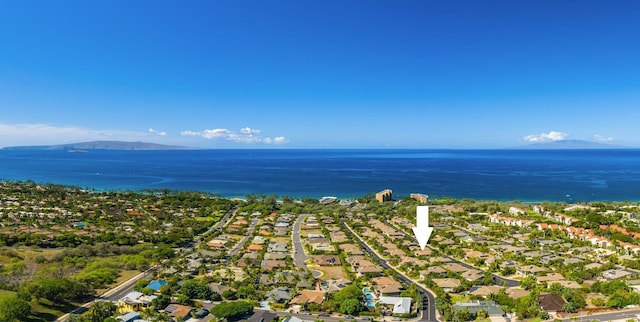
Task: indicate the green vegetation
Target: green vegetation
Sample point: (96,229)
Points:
(232,310)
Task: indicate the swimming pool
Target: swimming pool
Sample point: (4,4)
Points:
(369,296)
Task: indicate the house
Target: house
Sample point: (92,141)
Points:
(387,286)
(327,260)
(485,291)
(275,256)
(155,285)
(363,266)
(434,271)
(295,319)
(529,270)
(248,260)
(551,278)
(614,274)
(262,316)
(308,296)
(551,303)
(569,284)
(492,309)
(472,275)
(278,247)
(129,317)
(447,284)
(351,249)
(334,285)
(254,248)
(338,237)
(400,305)
(269,265)
(516,293)
(281,295)
(455,267)
(218,288)
(134,301)
(516,211)
(179,312)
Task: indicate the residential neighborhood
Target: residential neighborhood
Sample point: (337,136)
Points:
(264,258)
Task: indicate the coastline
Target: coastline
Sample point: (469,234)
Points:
(503,175)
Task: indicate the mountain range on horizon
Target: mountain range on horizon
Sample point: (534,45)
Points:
(104,145)
(146,146)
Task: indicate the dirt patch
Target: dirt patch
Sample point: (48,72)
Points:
(280,239)
(331,272)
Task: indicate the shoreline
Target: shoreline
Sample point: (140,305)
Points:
(279,197)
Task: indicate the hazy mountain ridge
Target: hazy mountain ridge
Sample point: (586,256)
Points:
(105,145)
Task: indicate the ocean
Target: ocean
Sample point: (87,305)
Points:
(524,175)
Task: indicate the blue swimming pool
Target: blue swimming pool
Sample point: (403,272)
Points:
(371,303)
(369,296)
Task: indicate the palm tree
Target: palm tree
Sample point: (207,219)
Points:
(230,274)
(101,310)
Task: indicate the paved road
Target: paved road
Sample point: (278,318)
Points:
(621,315)
(123,289)
(299,256)
(429,308)
(248,235)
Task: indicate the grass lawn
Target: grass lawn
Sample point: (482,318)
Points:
(456,298)
(44,310)
(216,219)
(4,293)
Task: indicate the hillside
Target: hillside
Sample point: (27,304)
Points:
(104,145)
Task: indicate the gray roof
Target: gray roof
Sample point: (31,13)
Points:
(489,306)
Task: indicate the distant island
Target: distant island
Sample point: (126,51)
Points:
(571,144)
(103,145)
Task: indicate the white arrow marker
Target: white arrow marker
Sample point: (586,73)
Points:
(422,229)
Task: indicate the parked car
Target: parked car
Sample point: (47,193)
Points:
(202,313)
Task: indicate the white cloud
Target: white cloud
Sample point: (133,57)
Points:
(245,135)
(209,134)
(600,138)
(248,130)
(546,137)
(276,140)
(161,133)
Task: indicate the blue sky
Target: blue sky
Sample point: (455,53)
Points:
(320,74)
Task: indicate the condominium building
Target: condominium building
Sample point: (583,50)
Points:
(384,195)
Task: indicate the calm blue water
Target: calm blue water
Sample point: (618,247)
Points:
(526,175)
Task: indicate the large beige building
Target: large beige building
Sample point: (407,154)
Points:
(422,198)
(384,195)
